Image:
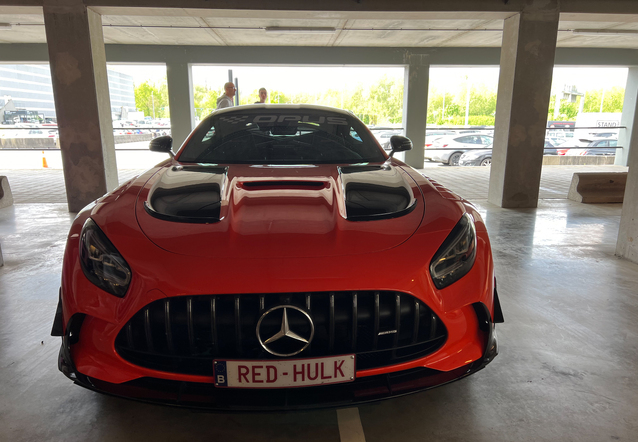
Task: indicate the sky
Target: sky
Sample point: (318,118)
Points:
(317,79)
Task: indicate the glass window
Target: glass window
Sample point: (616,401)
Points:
(281,136)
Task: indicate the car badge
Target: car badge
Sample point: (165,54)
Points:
(285,342)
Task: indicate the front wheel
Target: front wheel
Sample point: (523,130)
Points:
(486,162)
(454,159)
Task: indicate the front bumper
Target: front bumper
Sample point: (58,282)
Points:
(198,395)
(438,155)
(201,395)
(472,162)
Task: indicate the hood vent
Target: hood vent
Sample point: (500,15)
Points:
(374,193)
(283,184)
(187,194)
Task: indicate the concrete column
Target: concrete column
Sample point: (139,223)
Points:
(524,88)
(180,101)
(415,107)
(82,103)
(627,244)
(628,137)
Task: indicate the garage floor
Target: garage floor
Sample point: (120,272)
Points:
(566,370)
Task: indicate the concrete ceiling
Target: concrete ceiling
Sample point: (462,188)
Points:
(372,29)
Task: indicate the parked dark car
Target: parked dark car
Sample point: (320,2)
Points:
(483,157)
(550,148)
(604,146)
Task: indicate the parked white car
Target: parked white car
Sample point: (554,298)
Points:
(572,147)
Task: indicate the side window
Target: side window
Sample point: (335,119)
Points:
(464,140)
(613,143)
(487,140)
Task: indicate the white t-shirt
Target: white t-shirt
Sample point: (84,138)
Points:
(224,101)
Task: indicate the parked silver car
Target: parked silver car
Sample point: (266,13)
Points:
(448,150)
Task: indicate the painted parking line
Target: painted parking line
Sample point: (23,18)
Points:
(350,428)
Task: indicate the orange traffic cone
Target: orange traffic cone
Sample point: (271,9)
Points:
(44,161)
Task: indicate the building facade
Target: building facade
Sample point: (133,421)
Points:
(26,92)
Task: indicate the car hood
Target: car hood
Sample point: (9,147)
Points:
(248,211)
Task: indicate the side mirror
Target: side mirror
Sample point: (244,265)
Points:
(399,144)
(162,144)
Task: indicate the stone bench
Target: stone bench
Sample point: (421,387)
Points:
(6,197)
(598,187)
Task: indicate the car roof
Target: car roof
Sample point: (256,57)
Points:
(281,107)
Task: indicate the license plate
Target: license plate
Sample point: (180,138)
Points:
(284,373)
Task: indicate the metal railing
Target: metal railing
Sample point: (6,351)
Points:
(51,132)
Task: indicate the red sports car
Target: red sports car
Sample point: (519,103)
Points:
(280,260)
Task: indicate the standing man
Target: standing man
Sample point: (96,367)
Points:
(226,100)
(263,95)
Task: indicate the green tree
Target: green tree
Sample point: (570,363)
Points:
(482,101)
(151,98)
(205,100)
(614,98)
(386,101)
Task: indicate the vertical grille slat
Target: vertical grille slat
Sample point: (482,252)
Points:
(397,321)
(237,325)
(376,319)
(213,325)
(129,335)
(417,315)
(355,321)
(147,330)
(307,298)
(331,324)
(184,334)
(167,326)
(189,322)
(432,326)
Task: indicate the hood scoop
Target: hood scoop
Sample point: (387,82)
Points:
(188,194)
(283,184)
(373,193)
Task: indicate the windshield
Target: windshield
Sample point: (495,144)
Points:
(281,136)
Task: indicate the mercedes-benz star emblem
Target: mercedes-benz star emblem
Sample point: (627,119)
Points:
(280,339)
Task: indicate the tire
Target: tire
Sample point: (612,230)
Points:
(486,162)
(454,159)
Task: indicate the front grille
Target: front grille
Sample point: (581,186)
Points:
(185,334)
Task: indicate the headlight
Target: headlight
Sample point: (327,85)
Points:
(456,255)
(101,263)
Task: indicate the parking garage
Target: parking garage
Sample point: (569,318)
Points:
(566,271)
